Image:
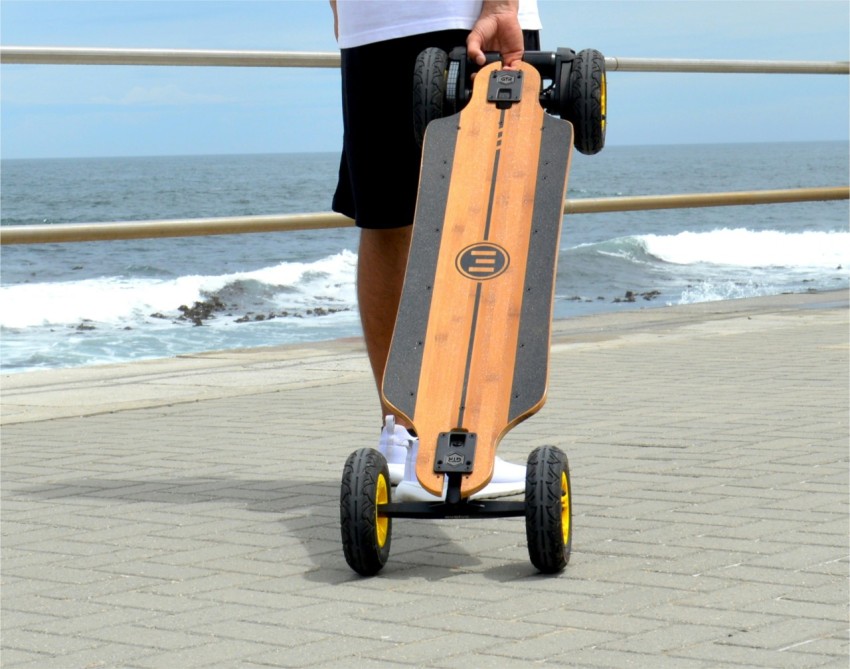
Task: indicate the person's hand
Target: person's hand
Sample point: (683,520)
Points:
(497,29)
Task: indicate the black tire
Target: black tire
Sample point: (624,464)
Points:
(548,509)
(588,101)
(365,533)
(429,89)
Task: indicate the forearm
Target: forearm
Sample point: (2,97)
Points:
(498,7)
(336,18)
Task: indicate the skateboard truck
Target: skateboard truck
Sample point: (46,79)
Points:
(455,457)
(505,88)
(554,66)
(574,88)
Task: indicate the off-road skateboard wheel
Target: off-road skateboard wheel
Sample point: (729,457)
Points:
(548,514)
(587,106)
(429,89)
(365,532)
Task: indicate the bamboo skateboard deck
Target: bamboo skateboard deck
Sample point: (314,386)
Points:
(470,350)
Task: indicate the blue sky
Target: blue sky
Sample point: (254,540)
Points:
(68,111)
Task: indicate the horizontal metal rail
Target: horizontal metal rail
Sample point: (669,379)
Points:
(35,55)
(185,227)
(613,64)
(88,232)
(694,200)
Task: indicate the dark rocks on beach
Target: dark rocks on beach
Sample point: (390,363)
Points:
(85,326)
(251,317)
(201,311)
(579,298)
(632,296)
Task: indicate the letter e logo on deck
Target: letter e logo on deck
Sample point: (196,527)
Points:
(482,261)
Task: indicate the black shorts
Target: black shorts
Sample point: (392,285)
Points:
(379,169)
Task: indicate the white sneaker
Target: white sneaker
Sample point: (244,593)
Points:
(395,444)
(508,479)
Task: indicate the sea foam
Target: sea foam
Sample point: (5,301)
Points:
(130,301)
(750,248)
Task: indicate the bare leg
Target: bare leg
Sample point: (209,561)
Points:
(381,263)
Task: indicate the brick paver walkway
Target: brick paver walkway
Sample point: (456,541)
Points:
(184,513)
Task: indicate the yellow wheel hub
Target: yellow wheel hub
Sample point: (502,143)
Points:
(603,100)
(565,506)
(382,523)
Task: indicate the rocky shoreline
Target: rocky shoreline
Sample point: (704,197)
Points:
(213,307)
(201,312)
(629,296)
(205,310)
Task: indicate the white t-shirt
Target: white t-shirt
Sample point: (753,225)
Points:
(366,21)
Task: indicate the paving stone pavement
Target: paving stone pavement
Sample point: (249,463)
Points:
(184,513)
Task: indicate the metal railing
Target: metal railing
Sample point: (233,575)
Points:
(195,227)
(34,55)
(39,234)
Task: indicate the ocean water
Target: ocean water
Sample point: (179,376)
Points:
(97,302)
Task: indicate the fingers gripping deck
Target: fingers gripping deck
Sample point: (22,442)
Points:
(471,343)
